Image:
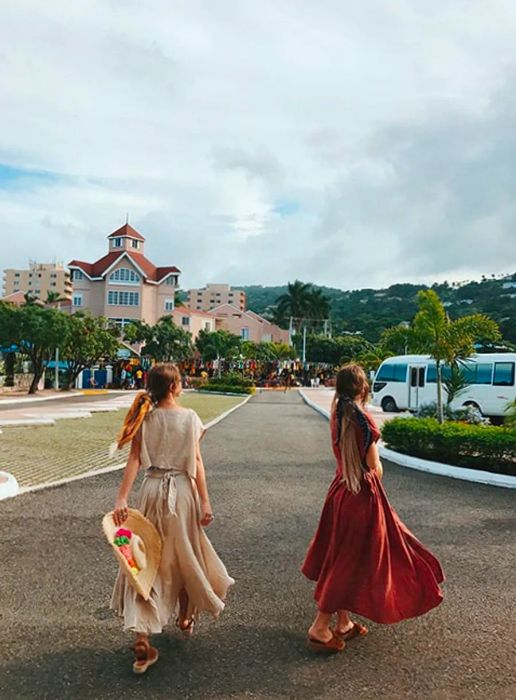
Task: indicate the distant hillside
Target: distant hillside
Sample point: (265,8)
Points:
(370,311)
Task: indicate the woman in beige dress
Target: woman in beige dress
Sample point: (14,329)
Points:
(174,497)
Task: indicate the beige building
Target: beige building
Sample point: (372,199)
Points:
(194,321)
(248,325)
(38,281)
(124,285)
(214,295)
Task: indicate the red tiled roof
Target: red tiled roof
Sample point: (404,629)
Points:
(97,269)
(188,311)
(16,298)
(128,231)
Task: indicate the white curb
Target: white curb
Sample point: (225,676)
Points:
(114,467)
(24,422)
(37,399)
(8,486)
(424,465)
(64,415)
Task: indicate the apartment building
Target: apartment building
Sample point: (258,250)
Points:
(214,295)
(194,321)
(124,285)
(38,280)
(248,325)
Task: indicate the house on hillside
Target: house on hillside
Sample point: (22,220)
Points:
(124,285)
(248,325)
(194,321)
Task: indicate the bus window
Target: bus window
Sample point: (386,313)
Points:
(484,373)
(504,374)
(431,373)
(392,373)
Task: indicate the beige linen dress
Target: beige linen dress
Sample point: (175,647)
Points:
(168,497)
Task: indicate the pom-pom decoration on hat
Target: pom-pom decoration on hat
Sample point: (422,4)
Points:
(137,547)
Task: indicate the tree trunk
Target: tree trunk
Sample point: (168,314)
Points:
(38,373)
(440,411)
(10,360)
(219,366)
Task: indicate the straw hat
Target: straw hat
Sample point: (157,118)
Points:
(144,548)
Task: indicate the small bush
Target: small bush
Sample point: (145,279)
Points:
(223,388)
(468,414)
(490,448)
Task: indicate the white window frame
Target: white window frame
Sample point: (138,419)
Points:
(77,296)
(185,321)
(124,276)
(168,305)
(117,297)
(78,275)
(117,243)
(244,333)
(135,243)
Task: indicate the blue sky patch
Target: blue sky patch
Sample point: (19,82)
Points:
(287,207)
(11,177)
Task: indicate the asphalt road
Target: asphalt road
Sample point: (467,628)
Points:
(269,465)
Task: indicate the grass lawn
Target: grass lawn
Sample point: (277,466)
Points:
(71,447)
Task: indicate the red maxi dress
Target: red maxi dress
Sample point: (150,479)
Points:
(363,558)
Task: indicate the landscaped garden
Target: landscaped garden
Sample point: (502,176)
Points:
(72,447)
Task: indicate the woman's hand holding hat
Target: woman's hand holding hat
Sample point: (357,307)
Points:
(120,513)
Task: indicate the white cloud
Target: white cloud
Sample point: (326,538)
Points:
(387,128)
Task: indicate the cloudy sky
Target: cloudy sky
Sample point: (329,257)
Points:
(352,144)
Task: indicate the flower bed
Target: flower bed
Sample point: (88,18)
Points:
(488,448)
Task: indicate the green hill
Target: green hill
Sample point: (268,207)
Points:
(370,311)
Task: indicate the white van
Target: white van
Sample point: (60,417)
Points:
(409,381)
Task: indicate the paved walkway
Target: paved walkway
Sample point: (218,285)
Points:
(269,466)
(323,397)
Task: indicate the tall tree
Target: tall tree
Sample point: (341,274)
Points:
(218,345)
(164,342)
(36,331)
(448,342)
(88,339)
(295,303)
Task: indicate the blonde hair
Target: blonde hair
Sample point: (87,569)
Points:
(352,390)
(161,377)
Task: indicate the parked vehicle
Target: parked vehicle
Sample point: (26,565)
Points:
(407,382)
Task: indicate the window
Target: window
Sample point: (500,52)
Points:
(135,244)
(207,326)
(53,284)
(169,304)
(77,299)
(77,275)
(123,298)
(121,322)
(53,275)
(244,333)
(392,373)
(16,274)
(185,321)
(503,374)
(117,243)
(477,372)
(171,281)
(16,283)
(124,275)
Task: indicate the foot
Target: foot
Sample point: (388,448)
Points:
(145,656)
(350,630)
(320,634)
(343,628)
(186,625)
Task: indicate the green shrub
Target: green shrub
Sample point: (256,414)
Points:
(232,379)
(227,388)
(490,448)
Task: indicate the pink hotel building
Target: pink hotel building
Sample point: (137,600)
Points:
(124,285)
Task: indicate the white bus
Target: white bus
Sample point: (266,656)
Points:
(407,382)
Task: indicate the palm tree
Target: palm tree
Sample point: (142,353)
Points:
(295,303)
(319,306)
(54,298)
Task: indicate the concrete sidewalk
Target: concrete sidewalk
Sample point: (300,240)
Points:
(323,398)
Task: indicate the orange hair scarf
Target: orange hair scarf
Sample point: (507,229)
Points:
(140,407)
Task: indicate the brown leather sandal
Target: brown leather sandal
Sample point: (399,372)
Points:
(357,630)
(145,656)
(332,646)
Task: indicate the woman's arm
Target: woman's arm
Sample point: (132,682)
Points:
(373,459)
(202,488)
(130,472)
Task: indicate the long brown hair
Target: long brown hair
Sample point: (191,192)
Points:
(160,379)
(352,390)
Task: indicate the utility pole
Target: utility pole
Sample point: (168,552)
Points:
(290,330)
(304,344)
(56,368)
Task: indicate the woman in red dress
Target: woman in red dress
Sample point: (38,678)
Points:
(362,557)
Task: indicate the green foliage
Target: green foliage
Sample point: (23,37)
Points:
(371,311)
(223,388)
(164,342)
(266,351)
(36,331)
(217,345)
(333,351)
(87,340)
(489,448)
(306,304)
(510,415)
(454,381)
